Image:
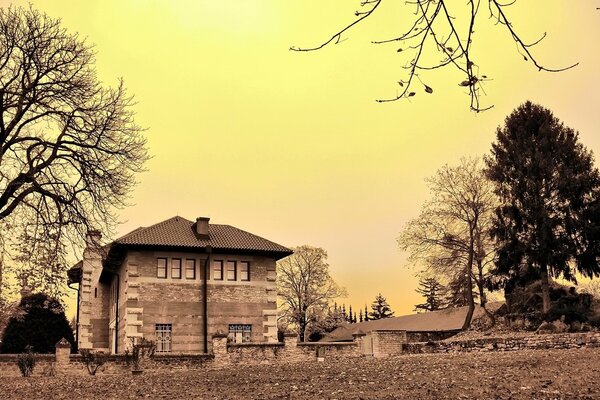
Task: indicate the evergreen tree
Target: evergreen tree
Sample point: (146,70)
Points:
(366,313)
(432,290)
(344,312)
(549,189)
(360,316)
(351,317)
(456,292)
(380,308)
(40,322)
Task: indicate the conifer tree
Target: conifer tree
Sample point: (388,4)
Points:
(366,313)
(360,316)
(351,317)
(549,188)
(432,290)
(380,308)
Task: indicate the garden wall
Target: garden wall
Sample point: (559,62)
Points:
(533,341)
(384,344)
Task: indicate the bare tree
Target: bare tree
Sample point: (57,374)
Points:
(305,286)
(69,148)
(444,30)
(450,236)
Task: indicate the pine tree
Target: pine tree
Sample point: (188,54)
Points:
(380,308)
(360,316)
(351,317)
(432,290)
(366,313)
(344,312)
(549,188)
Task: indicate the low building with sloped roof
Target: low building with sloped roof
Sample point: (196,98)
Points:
(177,283)
(422,327)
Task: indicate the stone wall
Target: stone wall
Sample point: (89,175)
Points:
(387,342)
(550,341)
(286,352)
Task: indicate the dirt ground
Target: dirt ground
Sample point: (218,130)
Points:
(535,374)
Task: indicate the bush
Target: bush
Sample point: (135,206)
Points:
(93,360)
(572,313)
(26,362)
(39,323)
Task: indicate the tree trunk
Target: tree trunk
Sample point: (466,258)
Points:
(301,328)
(545,289)
(469,271)
(480,286)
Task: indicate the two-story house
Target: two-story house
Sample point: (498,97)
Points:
(177,283)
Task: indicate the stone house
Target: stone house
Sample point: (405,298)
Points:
(177,283)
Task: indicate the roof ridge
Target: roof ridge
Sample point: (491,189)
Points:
(141,228)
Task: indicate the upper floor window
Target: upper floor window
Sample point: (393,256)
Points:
(176,268)
(231,270)
(161,267)
(244,271)
(190,269)
(217,270)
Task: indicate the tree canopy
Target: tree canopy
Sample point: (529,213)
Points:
(39,322)
(305,287)
(69,147)
(548,224)
(450,237)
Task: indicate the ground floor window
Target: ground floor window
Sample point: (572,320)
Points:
(240,333)
(164,334)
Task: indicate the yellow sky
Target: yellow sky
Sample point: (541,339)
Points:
(292,146)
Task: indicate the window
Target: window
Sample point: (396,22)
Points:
(161,268)
(164,334)
(176,268)
(244,271)
(231,270)
(190,269)
(240,333)
(218,270)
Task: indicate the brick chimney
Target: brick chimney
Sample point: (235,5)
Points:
(201,227)
(90,292)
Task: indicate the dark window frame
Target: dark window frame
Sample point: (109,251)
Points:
(229,262)
(190,269)
(220,269)
(158,268)
(247,263)
(174,269)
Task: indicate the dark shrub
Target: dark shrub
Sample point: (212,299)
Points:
(40,323)
(93,360)
(26,362)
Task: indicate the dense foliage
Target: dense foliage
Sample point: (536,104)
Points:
(549,222)
(39,323)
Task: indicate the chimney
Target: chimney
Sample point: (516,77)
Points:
(92,239)
(202,227)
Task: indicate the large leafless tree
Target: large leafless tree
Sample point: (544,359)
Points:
(441,33)
(305,287)
(450,237)
(69,147)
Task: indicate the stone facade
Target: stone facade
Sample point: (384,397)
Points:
(134,300)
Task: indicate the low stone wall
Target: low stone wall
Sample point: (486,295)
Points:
(289,351)
(548,341)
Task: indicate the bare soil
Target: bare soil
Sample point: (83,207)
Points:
(534,374)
